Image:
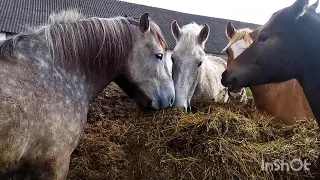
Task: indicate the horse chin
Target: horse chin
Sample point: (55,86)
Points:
(235,87)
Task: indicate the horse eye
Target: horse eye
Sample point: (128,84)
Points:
(200,63)
(159,56)
(262,38)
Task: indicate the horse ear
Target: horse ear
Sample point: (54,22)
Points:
(230,30)
(253,34)
(314,6)
(144,23)
(176,30)
(204,34)
(299,7)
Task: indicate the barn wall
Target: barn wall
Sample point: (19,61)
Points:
(3,36)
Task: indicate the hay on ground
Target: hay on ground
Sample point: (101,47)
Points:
(218,141)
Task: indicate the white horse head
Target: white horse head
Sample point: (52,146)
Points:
(194,72)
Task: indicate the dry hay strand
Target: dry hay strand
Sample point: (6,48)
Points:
(217,141)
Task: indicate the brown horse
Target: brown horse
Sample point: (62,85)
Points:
(49,76)
(275,99)
(287,48)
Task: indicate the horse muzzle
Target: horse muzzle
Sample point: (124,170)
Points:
(238,96)
(227,79)
(163,99)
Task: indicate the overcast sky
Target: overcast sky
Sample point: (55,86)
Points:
(253,11)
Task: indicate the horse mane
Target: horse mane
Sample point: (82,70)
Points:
(70,36)
(105,39)
(7,46)
(65,16)
(241,34)
(156,31)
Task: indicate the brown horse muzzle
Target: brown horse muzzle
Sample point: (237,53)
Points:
(226,79)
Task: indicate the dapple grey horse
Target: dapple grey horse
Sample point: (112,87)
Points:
(49,76)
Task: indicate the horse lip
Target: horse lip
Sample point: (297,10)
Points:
(242,92)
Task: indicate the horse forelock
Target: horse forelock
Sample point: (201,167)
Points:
(241,34)
(156,32)
(189,37)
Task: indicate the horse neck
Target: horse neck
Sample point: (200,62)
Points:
(307,72)
(307,62)
(311,84)
(210,75)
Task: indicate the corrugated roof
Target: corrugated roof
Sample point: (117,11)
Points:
(15,14)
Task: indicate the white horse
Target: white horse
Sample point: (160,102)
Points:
(194,72)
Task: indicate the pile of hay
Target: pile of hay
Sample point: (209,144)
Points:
(218,141)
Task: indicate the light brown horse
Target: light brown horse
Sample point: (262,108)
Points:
(285,101)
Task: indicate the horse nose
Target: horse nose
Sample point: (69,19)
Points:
(184,108)
(164,99)
(182,105)
(226,80)
(187,109)
(224,74)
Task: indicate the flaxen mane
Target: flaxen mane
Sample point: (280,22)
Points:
(241,34)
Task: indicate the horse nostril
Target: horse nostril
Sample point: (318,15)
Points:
(224,77)
(224,74)
(171,101)
(185,109)
(189,109)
